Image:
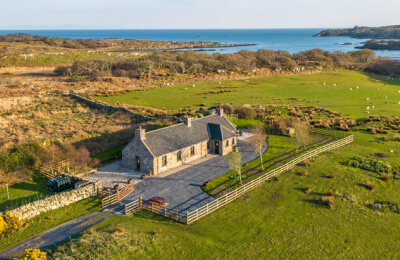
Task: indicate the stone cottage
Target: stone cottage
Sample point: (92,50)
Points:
(170,147)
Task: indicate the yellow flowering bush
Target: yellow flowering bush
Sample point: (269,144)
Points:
(3,226)
(9,223)
(32,254)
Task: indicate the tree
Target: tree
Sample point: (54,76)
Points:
(259,141)
(302,134)
(234,160)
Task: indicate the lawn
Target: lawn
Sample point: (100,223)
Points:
(110,155)
(307,89)
(23,193)
(51,219)
(275,221)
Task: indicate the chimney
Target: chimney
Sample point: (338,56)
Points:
(188,121)
(140,133)
(220,111)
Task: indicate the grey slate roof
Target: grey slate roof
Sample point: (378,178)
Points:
(173,138)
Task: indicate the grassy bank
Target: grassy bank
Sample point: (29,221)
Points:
(51,219)
(23,193)
(277,220)
(306,89)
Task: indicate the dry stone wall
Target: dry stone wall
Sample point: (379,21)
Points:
(56,201)
(122,109)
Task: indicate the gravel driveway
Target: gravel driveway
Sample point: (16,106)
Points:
(182,189)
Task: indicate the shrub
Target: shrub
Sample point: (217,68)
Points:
(305,173)
(397,138)
(307,190)
(385,177)
(331,176)
(330,193)
(305,163)
(246,112)
(9,224)
(371,186)
(32,254)
(385,139)
(327,200)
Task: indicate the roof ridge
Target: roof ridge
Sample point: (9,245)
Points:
(196,119)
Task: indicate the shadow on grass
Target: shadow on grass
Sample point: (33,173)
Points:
(316,203)
(38,185)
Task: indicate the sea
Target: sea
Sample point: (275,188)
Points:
(291,40)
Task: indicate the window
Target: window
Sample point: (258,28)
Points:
(192,151)
(227,143)
(233,141)
(179,156)
(208,145)
(164,160)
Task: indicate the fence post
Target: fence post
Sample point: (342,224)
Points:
(140,202)
(118,195)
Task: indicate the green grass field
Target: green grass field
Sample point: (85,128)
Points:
(51,219)
(23,193)
(308,89)
(277,220)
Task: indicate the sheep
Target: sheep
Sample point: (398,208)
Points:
(325,84)
(351,89)
(193,85)
(367,99)
(373,106)
(357,87)
(334,84)
(367,112)
(367,107)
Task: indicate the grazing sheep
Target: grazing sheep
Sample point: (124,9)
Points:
(367,107)
(385,96)
(367,112)
(351,89)
(193,85)
(357,87)
(373,106)
(367,99)
(334,84)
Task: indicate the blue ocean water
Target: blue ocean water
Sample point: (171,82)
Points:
(292,40)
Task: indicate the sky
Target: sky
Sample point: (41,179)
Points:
(196,14)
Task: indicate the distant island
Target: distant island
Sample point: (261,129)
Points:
(363,32)
(381,45)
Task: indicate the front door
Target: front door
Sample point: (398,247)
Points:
(137,163)
(216,144)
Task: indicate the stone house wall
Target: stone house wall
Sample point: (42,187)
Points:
(137,148)
(172,162)
(223,149)
(56,201)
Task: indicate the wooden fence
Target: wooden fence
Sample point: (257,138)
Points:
(189,217)
(118,196)
(160,210)
(51,170)
(203,211)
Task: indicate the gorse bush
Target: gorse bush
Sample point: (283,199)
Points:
(371,165)
(9,224)
(32,254)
